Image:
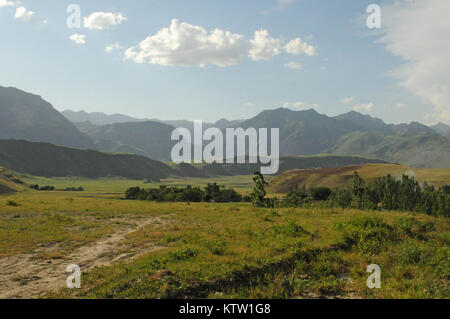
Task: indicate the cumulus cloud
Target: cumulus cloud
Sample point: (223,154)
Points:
(78,38)
(299,106)
(418,32)
(103,20)
(249,104)
(364,107)
(184,44)
(23,14)
(348,100)
(297,47)
(6,3)
(293,65)
(112,47)
(263,46)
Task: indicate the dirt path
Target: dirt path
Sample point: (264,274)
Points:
(27,276)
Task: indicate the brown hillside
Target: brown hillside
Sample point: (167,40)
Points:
(9,182)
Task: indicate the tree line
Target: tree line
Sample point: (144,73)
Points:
(211,193)
(386,192)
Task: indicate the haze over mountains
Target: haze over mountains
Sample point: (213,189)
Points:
(28,117)
(442,129)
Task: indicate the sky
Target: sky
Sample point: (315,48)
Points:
(208,59)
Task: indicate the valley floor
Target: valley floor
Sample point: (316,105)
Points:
(140,249)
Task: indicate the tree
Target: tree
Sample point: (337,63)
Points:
(259,193)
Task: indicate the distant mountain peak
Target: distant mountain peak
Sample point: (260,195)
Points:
(98,118)
(28,116)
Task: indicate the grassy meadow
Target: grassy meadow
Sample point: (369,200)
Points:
(212,250)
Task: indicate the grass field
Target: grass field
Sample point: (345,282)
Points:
(119,185)
(140,249)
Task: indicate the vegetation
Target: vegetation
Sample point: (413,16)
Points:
(211,193)
(226,250)
(383,193)
(11,203)
(36,187)
(392,194)
(342,177)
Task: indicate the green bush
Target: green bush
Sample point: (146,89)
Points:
(370,234)
(11,203)
(320,193)
(211,193)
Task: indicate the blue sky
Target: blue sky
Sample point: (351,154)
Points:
(337,58)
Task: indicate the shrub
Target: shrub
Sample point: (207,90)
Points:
(47,188)
(291,229)
(370,234)
(11,203)
(320,193)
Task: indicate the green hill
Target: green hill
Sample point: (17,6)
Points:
(27,116)
(42,159)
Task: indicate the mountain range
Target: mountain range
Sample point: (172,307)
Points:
(28,117)
(44,159)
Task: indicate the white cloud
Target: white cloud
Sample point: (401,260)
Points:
(400,105)
(297,46)
(263,46)
(184,44)
(348,100)
(249,104)
(364,107)
(113,47)
(78,38)
(418,31)
(23,14)
(300,106)
(293,65)
(6,3)
(103,20)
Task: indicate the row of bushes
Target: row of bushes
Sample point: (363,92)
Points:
(211,193)
(52,188)
(44,188)
(403,194)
